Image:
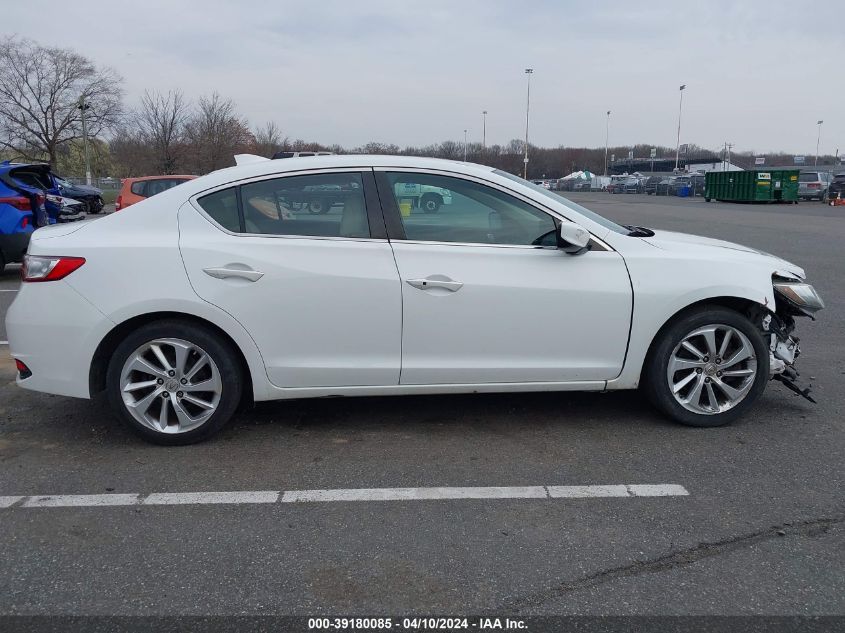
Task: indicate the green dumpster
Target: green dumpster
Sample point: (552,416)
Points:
(773,185)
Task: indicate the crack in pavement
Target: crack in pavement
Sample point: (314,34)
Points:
(681,558)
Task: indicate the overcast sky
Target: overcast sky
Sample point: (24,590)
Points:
(758,73)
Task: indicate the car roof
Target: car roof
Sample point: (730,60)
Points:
(268,167)
(168,176)
(8,165)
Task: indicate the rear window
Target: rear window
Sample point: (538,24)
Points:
(147,188)
(32,178)
(809,176)
(222,206)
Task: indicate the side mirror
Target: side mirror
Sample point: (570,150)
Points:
(574,238)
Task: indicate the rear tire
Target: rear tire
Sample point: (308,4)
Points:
(699,410)
(208,373)
(430,203)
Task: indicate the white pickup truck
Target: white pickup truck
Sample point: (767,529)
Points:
(425,197)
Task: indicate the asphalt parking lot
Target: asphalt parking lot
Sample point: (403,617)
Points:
(760,531)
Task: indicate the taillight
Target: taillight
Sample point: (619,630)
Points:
(118,203)
(48,268)
(25,222)
(23,371)
(19,202)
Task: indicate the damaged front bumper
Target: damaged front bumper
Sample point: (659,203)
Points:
(793,298)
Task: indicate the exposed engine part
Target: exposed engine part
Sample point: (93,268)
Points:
(784,349)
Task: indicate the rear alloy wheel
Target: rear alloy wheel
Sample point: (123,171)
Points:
(319,206)
(431,203)
(708,368)
(174,383)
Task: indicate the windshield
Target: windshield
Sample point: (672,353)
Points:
(591,215)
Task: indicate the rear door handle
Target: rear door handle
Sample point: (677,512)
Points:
(225,273)
(436,281)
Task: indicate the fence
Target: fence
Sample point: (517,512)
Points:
(101,183)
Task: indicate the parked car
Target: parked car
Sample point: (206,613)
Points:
(16,216)
(629,184)
(650,184)
(133,190)
(813,185)
(38,182)
(836,190)
(299,154)
(666,186)
(90,197)
(240,301)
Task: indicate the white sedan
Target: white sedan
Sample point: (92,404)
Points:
(226,290)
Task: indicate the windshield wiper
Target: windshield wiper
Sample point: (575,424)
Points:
(638,231)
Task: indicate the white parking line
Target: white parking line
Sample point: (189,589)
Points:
(6,502)
(201,498)
(344,495)
(79,501)
(4,342)
(414,494)
(9,289)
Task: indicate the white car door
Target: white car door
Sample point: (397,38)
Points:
(489,298)
(299,263)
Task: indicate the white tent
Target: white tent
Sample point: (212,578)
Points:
(579,175)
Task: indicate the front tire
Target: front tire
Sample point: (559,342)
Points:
(173,382)
(707,368)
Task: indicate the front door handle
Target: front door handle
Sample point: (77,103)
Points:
(225,273)
(436,281)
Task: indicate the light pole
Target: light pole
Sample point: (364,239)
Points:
(606,139)
(465,146)
(83,107)
(680,106)
(484,129)
(818,139)
(529,72)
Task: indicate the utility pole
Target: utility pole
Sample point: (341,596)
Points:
(818,139)
(484,129)
(680,107)
(529,72)
(83,107)
(606,139)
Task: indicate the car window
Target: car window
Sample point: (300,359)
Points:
(222,206)
(584,211)
(35,179)
(319,205)
(808,177)
(138,187)
(446,209)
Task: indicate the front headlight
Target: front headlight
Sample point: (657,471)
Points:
(802,296)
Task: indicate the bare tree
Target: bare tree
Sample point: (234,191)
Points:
(268,139)
(40,92)
(161,121)
(216,133)
(131,154)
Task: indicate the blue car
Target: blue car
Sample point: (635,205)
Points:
(17,220)
(30,197)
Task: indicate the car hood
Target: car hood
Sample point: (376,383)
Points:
(83,190)
(683,242)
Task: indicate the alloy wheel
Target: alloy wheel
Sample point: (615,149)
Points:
(712,369)
(170,385)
